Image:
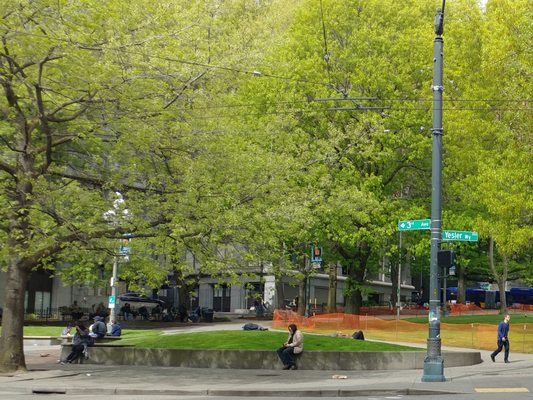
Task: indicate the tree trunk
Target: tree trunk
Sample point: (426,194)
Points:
(354,301)
(394,271)
(461,289)
(302,296)
(184,294)
(280,294)
(11,341)
(356,279)
(332,289)
(501,278)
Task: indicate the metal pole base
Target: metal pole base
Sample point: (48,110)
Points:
(433,370)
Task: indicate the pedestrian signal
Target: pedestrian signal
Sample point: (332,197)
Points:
(316,254)
(446,258)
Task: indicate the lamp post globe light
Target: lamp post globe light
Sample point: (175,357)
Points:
(115,216)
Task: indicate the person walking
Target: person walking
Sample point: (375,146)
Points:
(126,311)
(503,340)
(293,345)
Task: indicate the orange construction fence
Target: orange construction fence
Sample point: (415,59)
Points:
(473,335)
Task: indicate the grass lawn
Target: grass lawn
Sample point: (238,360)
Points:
(258,340)
(247,340)
(43,330)
(467,331)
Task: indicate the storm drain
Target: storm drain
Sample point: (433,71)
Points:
(49,391)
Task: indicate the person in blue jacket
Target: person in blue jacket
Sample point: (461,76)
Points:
(503,339)
(116,330)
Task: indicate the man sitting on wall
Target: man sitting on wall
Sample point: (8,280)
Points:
(98,329)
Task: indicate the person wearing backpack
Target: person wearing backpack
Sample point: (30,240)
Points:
(99,329)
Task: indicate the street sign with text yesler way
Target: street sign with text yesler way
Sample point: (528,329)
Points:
(460,235)
(414,225)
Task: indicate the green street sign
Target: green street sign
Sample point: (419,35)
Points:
(111,300)
(460,235)
(416,224)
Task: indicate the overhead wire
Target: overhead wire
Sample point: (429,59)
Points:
(274,76)
(416,100)
(121,49)
(303,111)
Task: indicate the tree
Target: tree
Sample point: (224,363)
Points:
(490,168)
(135,125)
(45,122)
(349,164)
(90,107)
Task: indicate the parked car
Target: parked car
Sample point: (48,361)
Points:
(137,298)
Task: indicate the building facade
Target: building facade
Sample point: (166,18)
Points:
(47,295)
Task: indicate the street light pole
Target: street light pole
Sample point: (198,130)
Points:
(307,287)
(113,312)
(114,216)
(399,288)
(434,362)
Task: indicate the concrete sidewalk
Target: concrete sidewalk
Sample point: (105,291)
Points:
(46,376)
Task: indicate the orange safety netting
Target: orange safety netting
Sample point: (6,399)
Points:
(418,311)
(473,335)
(522,307)
(463,308)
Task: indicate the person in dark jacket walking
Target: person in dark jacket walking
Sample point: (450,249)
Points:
(503,340)
(80,341)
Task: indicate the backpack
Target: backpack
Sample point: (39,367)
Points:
(358,335)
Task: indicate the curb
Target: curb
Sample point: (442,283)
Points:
(239,393)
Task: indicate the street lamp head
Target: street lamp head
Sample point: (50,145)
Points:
(439,22)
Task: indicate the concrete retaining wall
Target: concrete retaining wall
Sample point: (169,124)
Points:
(247,359)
